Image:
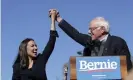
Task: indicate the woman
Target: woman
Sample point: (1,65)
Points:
(29,65)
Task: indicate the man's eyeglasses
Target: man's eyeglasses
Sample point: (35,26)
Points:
(92,29)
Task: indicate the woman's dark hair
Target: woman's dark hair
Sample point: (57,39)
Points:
(22,57)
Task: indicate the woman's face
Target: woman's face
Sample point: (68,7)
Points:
(32,49)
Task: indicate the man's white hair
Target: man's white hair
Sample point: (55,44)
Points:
(101,22)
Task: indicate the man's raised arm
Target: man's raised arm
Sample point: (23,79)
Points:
(82,39)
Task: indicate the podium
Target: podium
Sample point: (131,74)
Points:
(97,68)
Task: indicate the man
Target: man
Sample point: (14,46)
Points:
(100,42)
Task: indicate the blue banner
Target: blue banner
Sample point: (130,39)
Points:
(98,68)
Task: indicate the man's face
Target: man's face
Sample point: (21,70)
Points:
(95,31)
